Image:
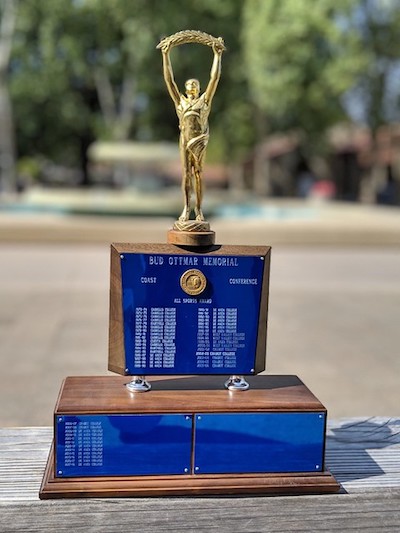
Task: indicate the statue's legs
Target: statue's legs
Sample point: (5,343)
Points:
(186,185)
(199,193)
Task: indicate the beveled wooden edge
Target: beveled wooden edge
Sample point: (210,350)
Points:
(116,348)
(261,347)
(217,249)
(185,394)
(184,485)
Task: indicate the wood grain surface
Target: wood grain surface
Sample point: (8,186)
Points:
(205,394)
(170,249)
(116,349)
(108,394)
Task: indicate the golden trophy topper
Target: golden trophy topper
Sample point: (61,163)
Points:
(193,109)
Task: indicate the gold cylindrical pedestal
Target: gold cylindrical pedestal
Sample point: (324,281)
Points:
(191,238)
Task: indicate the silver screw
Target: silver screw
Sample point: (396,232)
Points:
(199,418)
(187,417)
(317,467)
(60,419)
(60,472)
(121,256)
(186,470)
(252,370)
(197,468)
(321,416)
(262,258)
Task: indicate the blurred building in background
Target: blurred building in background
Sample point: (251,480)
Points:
(356,166)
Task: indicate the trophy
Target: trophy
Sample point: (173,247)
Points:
(193,110)
(189,413)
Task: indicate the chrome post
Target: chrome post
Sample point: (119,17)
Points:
(138,384)
(236,383)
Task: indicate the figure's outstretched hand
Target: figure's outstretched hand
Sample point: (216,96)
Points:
(165,49)
(217,49)
(218,46)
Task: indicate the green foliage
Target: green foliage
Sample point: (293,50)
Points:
(304,62)
(61,46)
(377,89)
(288,65)
(217,18)
(29,168)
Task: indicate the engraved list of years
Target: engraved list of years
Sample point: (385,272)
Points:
(83,444)
(217,337)
(155,334)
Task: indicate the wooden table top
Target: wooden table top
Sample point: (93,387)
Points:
(362,453)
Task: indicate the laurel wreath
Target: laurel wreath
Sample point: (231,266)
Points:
(192,36)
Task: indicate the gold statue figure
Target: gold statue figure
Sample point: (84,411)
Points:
(193,110)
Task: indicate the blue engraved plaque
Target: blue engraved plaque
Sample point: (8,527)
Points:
(113,445)
(259,442)
(168,331)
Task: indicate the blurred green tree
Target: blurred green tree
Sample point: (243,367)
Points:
(8,11)
(304,63)
(377,90)
(88,69)
(231,122)
(72,77)
(320,63)
(375,98)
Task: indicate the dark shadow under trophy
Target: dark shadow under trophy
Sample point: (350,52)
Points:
(178,310)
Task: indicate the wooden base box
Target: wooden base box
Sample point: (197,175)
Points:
(187,436)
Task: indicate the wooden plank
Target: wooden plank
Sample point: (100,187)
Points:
(364,453)
(23,456)
(360,512)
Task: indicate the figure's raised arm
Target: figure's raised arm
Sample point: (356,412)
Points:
(214,75)
(169,76)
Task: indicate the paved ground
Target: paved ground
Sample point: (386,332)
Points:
(334,321)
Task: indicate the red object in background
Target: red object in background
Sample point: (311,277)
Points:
(323,189)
